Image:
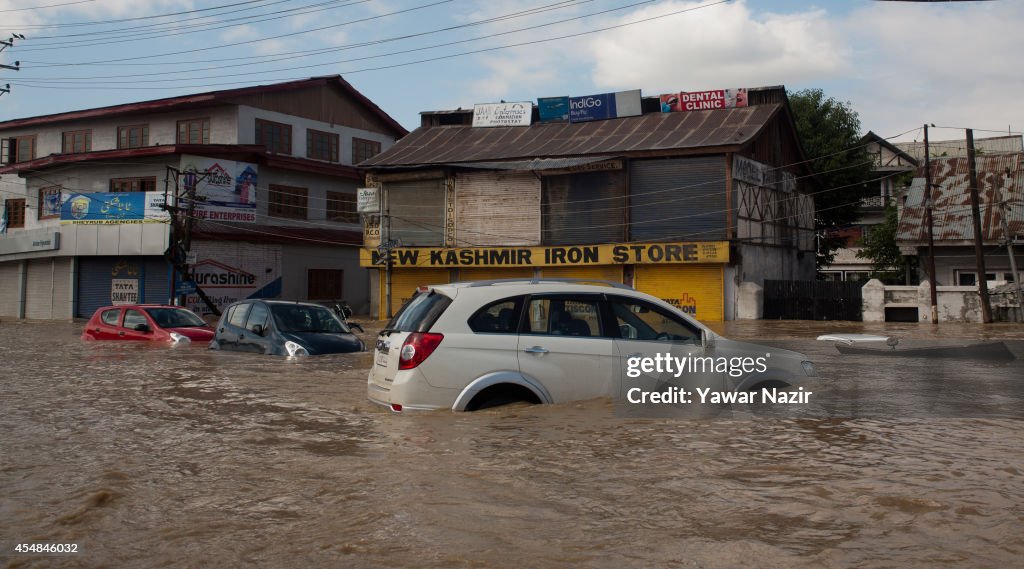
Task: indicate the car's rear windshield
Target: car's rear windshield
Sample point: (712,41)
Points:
(420,313)
(174,318)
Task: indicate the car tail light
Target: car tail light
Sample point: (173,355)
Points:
(396,407)
(417,347)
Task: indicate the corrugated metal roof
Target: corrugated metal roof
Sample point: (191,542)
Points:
(535,164)
(952,223)
(650,132)
(957,148)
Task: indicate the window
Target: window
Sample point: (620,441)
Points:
(146,184)
(194,131)
(257,316)
(133,318)
(341,207)
(364,149)
(133,136)
(15,212)
(325,284)
(77,141)
(109,317)
(638,320)
(19,149)
(238,315)
(286,201)
(49,202)
(563,317)
(500,317)
(321,145)
(277,137)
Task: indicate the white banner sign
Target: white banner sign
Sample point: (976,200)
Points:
(503,114)
(368,200)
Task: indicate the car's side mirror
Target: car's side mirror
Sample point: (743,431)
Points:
(258,329)
(143,328)
(707,338)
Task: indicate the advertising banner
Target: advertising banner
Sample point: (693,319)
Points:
(704,100)
(503,114)
(124,291)
(225,189)
(611,254)
(229,271)
(102,208)
(604,106)
(368,200)
(553,108)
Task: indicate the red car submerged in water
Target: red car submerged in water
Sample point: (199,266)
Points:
(147,322)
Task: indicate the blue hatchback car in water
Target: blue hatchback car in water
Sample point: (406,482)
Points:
(283,328)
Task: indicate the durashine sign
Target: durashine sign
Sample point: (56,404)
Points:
(608,254)
(502,114)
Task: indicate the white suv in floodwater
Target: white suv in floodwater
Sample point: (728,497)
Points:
(473,345)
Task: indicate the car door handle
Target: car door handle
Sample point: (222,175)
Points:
(120,333)
(222,329)
(241,336)
(536,350)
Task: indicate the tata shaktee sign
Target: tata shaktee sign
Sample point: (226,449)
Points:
(703,100)
(112,208)
(605,106)
(225,189)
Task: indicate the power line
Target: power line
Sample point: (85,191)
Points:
(45,6)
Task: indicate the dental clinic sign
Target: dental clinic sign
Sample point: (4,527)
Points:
(604,106)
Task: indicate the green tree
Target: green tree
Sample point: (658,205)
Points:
(829,132)
(887,264)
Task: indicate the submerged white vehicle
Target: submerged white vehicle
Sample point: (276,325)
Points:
(474,345)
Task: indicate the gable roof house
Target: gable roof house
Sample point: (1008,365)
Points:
(685,205)
(270,170)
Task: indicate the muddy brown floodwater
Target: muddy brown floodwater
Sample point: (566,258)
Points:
(152,456)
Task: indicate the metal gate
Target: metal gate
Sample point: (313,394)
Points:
(812,300)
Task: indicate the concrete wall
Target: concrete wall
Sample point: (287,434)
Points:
(948,260)
(247,132)
(297,260)
(758,263)
(953,303)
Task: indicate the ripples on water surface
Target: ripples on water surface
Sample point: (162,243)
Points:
(157,457)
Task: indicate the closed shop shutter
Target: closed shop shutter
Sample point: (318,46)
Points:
(48,289)
(584,208)
(10,285)
(611,273)
(481,196)
(492,273)
(404,284)
(695,289)
(678,199)
(93,284)
(95,275)
(416,210)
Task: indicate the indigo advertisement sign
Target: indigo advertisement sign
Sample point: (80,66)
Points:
(604,106)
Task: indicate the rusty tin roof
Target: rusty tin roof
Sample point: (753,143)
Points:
(952,210)
(435,145)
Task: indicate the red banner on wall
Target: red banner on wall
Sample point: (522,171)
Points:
(703,100)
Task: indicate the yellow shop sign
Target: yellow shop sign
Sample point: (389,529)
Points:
(570,255)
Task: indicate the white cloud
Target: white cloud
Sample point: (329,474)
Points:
(715,47)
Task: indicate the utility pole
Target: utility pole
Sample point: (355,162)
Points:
(998,197)
(979,249)
(181,232)
(17,64)
(931,229)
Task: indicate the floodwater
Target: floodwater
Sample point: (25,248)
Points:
(179,457)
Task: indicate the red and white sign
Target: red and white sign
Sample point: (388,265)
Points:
(703,100)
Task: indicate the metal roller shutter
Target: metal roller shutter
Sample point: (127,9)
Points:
(695,289)
(404,284)
(416,210)
(678,199)
(157,288)
(600,272)
(493,273)
(586,208)
(480,194)
(10,284)
(48,289)
(93,284)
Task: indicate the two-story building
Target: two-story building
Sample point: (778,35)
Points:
(273,215)
(683,204)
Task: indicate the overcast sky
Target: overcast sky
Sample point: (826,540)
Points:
(900,64)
